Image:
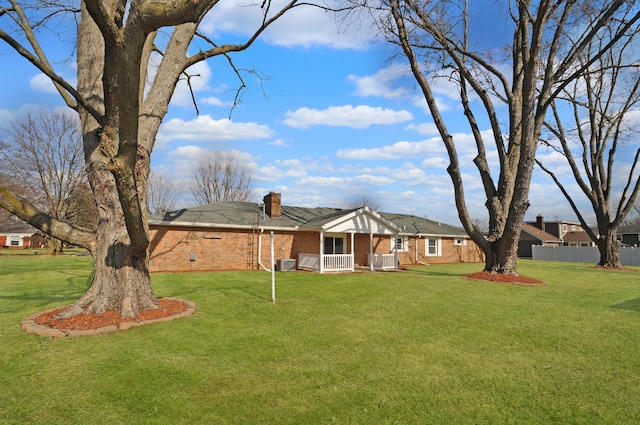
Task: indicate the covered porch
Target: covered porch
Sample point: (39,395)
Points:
(337,242)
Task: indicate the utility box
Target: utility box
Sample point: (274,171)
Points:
(286,264)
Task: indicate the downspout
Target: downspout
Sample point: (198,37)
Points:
(417,259)
(260,251)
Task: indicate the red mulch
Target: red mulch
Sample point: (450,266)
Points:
(168,308)
(503,278)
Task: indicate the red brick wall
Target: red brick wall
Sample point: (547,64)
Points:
(450,253)
(217,249)
(172,249)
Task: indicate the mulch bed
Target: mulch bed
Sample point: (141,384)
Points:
(169,307)
(503,278)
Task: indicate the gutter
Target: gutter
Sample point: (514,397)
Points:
(220,226)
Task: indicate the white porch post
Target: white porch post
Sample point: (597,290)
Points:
(371,259)
(353,257)
(321,252)
(395,252)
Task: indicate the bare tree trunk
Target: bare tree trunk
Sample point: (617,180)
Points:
(609,248)
(121,278)
(501,255)
(55,246)
(120,281)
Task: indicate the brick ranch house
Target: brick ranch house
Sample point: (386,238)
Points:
(237,236)
(20,235)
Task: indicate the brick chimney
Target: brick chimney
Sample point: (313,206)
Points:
(272,204)
(540,222)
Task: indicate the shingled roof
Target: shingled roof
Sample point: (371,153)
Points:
(17,227)
(540,234)
(243,215)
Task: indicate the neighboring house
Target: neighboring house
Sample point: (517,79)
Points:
(558,233)
(629,235)
(19,235)
(237,236)
(532,235)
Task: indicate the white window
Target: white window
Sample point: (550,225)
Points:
(564,227)
(460,241)
(15,240)
(402,242)
(573,227)
(433,247)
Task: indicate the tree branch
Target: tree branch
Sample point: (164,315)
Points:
(58,229)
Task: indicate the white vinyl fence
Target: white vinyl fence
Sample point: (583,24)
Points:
(629,256)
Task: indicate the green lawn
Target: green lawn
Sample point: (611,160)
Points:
(421,346)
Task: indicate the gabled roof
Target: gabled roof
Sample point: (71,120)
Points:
(580,236)
(539,234)
(244,215)
(358,220)
(17,227)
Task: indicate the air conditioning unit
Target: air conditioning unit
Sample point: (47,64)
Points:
(286,264)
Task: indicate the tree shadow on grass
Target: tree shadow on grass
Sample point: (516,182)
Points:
(633,305)
(63,295)
(430,272)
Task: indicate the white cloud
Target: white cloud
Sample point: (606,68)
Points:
(214,101)
(361,116)
(380,84)
(435,162)
(280,143)
(398,150)
(206,129)
(304,26)
(6,116)
(43,84)
(425,129)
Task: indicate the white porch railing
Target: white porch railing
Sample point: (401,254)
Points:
(383,261)
(338,262)
(331,262)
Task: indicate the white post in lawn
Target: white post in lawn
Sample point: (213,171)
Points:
(273,272)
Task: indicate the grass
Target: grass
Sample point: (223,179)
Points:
(418,346)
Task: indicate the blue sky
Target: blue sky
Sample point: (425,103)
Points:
(331,120)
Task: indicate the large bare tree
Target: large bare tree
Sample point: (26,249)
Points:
(120,118)
(363,200)
(164,193)
(220,176)
(510,88)
(590,124)
(43,155)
